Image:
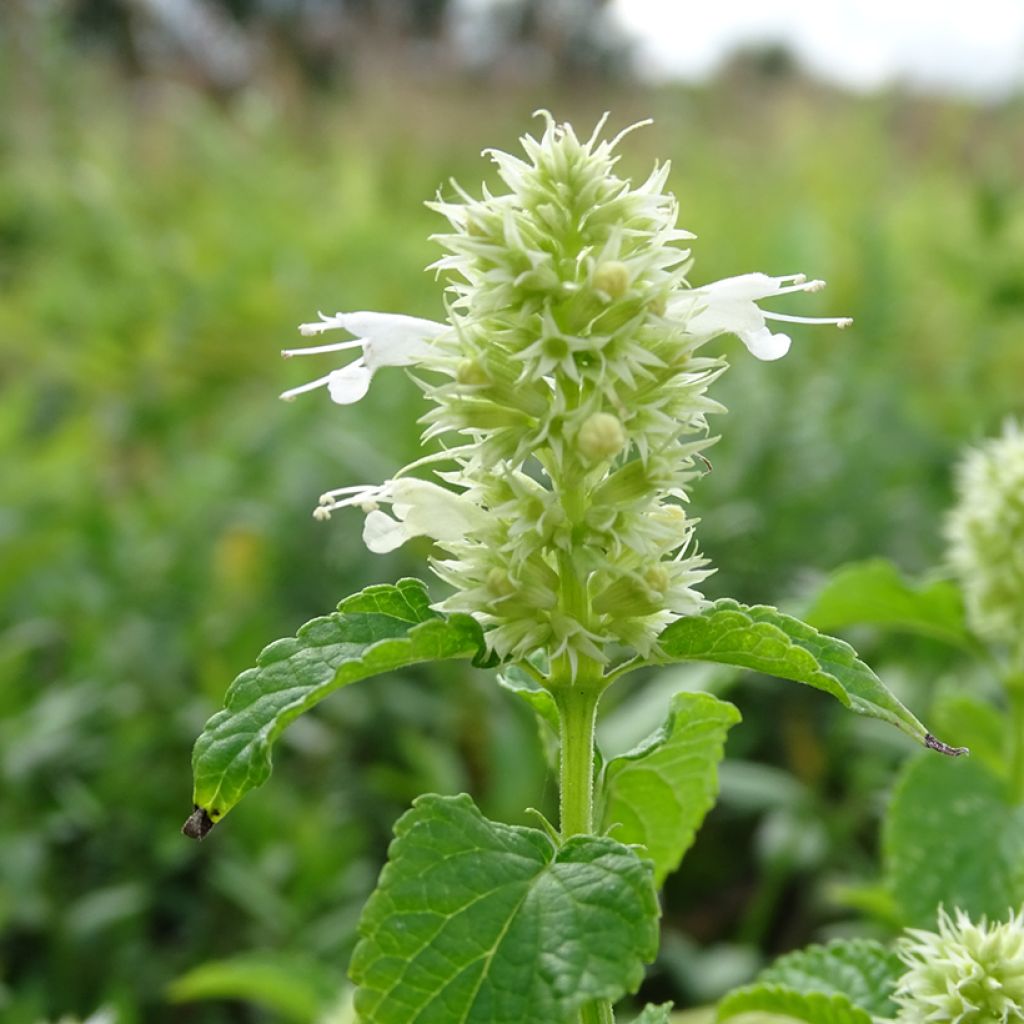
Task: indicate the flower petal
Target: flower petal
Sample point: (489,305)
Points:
(726,316)
(391,339)
(743,288)
(382,534)
(433,511)
(764,345)
(350,383)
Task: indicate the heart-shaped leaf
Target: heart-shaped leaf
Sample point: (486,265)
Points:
(484,923)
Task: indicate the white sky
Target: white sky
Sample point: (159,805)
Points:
(971,46)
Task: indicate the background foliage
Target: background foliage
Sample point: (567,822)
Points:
(157,247)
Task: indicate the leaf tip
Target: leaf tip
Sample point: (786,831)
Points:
(197,824)
(944,748)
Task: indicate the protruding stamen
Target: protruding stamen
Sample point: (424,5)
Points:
(838,321)
(331,496)
(321,514)
(316,350)
(326,323)
(303,388)
(800,284)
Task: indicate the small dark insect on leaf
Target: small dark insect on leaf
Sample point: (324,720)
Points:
(944,748)
(198,824)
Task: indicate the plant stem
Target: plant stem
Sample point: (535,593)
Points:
(598,1012)
(577,712)
(577,687)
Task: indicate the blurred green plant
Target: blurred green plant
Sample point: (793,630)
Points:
(154,250)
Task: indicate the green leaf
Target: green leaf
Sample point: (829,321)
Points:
(875,593)
(378,630)
(657,794)
(519,682)
(652,1014)
(299,989)
(766,1003)
(764,639)
(951,836)
(863,970)
(979,726)
(475,921)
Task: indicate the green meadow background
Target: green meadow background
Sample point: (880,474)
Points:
(158,246)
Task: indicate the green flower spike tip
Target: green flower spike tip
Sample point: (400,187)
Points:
(964,973)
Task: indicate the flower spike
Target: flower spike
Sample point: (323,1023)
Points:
(570,382)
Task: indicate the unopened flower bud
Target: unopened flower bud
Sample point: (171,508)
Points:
(499,583)
(612,278)
(656,577)
(601,437)
(472,373)
(630,596)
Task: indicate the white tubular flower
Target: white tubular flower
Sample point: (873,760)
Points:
(730,306)
(387,339)
(964,973)
(421,508)
(570,378)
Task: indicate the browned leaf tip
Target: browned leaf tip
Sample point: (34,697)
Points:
(198,824)
(944,748)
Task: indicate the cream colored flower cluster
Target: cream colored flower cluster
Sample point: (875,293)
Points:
(964,973)
(569,384)
(986,538)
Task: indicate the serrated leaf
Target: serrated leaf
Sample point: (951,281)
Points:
(757,1003)
(863,970)
(766,640)
(876,593)
(379,630)
(299,989)
(657,794)
(484,923)
(951,836)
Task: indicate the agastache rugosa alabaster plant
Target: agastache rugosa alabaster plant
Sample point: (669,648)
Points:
(568,389)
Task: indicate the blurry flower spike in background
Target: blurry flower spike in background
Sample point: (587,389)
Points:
(572,375)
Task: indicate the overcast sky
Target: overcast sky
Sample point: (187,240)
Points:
(971,46)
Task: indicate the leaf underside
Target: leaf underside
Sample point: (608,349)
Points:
(657,795)
(766,640)
(376,631)
(476,922)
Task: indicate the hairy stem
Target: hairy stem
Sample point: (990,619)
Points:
(598,1012)
(577,712)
